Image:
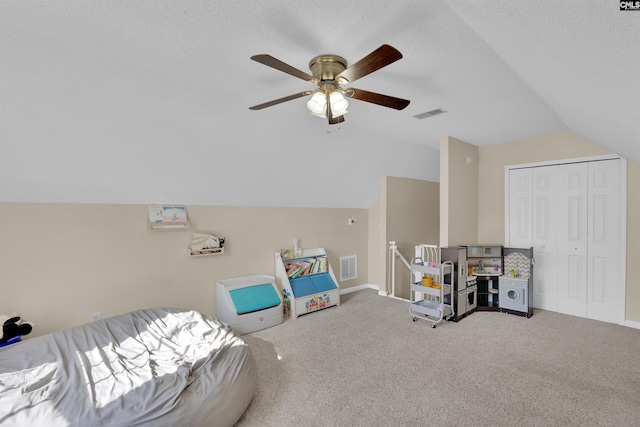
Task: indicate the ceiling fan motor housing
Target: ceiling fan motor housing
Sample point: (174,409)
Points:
(327,67)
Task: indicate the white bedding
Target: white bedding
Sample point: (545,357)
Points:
(154,367)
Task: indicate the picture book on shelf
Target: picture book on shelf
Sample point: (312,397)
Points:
(303,267)
(167,213)
(286,253)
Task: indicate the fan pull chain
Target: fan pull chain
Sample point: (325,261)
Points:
(329,128)
(339,127)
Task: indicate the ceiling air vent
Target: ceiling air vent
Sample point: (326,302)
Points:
(348,267)
(430,113)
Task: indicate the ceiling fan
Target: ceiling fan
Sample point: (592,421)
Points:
(331,71)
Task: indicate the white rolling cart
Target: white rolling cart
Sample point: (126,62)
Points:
(428,302)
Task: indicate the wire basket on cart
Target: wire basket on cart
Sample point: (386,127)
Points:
(430,294)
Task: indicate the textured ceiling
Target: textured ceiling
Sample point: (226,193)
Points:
(147,101)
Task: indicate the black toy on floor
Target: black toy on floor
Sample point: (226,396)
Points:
(13,327)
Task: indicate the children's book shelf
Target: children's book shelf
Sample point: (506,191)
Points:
(307,282)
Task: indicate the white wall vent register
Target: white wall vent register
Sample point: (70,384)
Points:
(348,267)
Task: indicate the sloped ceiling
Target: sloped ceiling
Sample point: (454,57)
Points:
(147,101)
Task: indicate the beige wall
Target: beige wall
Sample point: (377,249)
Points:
(459,192)
(633,242)
(412,217)
(61,262)
(565,145)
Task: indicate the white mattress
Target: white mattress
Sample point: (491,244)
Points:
(154,367)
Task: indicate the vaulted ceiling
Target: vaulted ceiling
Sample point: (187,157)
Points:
(148,101)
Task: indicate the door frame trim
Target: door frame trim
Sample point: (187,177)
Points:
(622,240)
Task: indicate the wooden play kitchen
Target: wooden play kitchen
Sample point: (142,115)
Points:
(451,283)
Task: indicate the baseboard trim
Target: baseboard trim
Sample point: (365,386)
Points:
(632,324)
(358,288)
(392,297)
(370,286)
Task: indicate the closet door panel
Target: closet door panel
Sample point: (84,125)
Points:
(572,239)
(520,222)
(603,295)
(545,237)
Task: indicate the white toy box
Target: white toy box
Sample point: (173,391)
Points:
(249,303)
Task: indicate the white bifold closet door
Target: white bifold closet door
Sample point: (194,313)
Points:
(545,236)
(569,214)
(533,207)
(604,260)
(572,239)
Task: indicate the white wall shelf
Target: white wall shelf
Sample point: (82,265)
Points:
(205,252)
(157,226)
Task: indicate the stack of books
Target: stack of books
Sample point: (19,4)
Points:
(303,267)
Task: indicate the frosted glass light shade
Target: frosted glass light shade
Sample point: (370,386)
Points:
(338,104)
(317,104)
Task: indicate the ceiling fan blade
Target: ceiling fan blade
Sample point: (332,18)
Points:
(281,100)
(381,57)
(281,66)
(377,98)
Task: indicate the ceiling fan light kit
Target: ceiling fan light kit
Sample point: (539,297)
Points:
(338,103)
(327,97)
(317,104)
(329,72)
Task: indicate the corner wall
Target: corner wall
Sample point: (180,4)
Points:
(377,241)
(459,192)
(407,213)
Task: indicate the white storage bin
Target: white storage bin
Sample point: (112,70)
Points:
(249,303)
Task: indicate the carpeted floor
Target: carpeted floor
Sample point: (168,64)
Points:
(366,363)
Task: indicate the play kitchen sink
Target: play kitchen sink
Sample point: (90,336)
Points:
(487,272)
(492,270)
